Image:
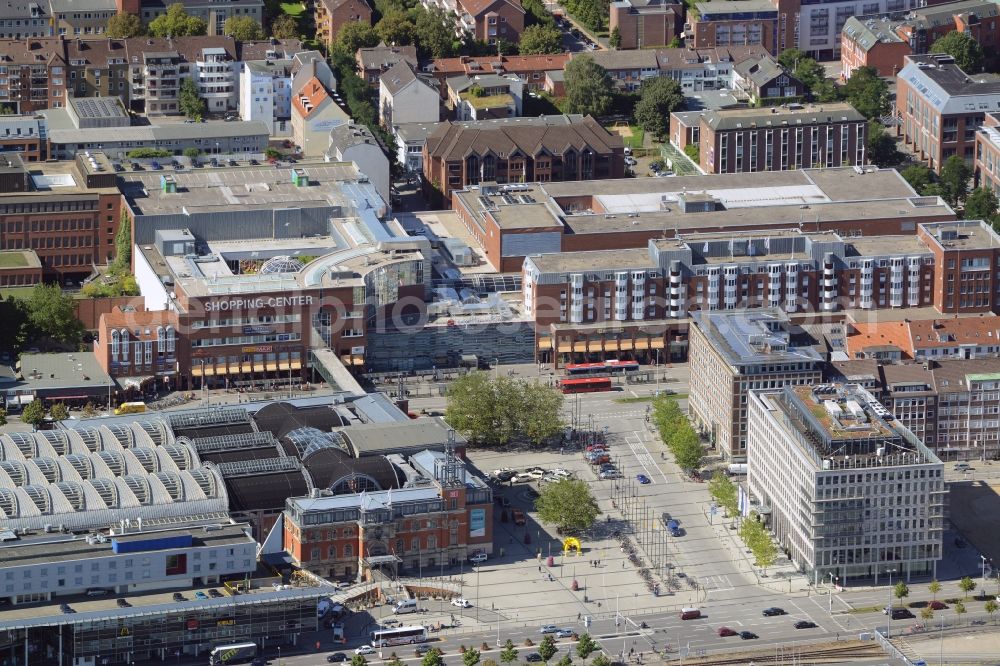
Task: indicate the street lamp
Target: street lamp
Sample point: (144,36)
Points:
(983,558)
(888,615)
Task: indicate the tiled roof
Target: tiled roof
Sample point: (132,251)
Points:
(398,77)
(310,98)
(189,48)
(452,142)
(502,64)
(479,7)
(383,57)
(33,51)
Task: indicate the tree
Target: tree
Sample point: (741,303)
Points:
(789,58)
(123,26)
(123,246)
(59,412)
(901,590)
(675,43)
(764,551)
(359,660)
(881,147)
(191,152)
(585,647)
(538,38)
(601,660)
(541,409)
(565,661)
(954,180)
(15,330)
(615,40)
(991,607)
(489,662)
(492,411)
(33,414)
(966,585)
(191,104)
(723,491)
(934,587)
(966,51)
(568,504)
(285,27)
(547,648)
(395,28)
(3,417)
(432,658)
(508,653)
(658,98)
(395,661)
(177,23)
(89,411)
(243,29)
(981,204)
(51,313)
(960,610)
(588,87)
(867,93)
(687,449)
(355,35)
(918,176)
(470,657)
(432,35)
(927,614)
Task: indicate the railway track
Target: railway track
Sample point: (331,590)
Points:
(815,654)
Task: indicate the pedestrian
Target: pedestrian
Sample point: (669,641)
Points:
(539,567)
(577,617)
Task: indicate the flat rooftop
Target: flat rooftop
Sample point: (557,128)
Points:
(237,188)
(70,371)
(964,234)
(747,337)
(592,261)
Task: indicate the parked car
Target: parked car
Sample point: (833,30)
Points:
(179,597)
(564,633)
(962,467)
(506,472)
(533,657)
(364,649)
(65,609)
(478,558)
(98,592)
(610,474)
(773,611)
(726,631)
(643,479)
(519,518)
(123,603)
(562,472)
(336,658)
(748,635)
(461,602)
(805,624)
(523,477)
(549,629)
(200,595)
(536,474)
(938,605)
(215,594)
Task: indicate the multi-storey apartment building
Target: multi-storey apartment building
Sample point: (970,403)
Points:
(530,68)
(24,135)
(33,75)
(159,65)
(872,41)
(733,352)
(214,14)
(628,69)
(266,90)
(98,68)
(70,227)
(852,492)
(986,168)
(941,107)
(411,529)
(774,139)
(73,19)
(456,156)
(483,20)
(332,15)
(376,61)
(739,23)
(645,23)
(21,19)
(704,69)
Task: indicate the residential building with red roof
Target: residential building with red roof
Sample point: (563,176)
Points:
(530,68)
(332,15)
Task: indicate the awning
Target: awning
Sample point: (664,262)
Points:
(283,365)
(196,371)
(657,343)
(544,343)
(296,365)
(381,559)
(134,382)
(63,397)
(272,367)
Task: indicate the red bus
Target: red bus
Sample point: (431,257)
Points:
(585,385)
(601,367)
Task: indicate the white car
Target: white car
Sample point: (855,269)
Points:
(523,477)
(364,649)
(478,558)
(461,603)
(536,474)
(502,470)
(561,472)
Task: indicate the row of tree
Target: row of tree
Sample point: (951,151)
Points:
(677,433)
(591,13)
(755,536)
(493,411)
(547,649)
(952,185)
(176,22)
(723,491)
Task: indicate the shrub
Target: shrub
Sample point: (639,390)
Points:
(140,153)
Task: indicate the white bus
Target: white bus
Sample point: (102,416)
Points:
(399,636)
(237,653)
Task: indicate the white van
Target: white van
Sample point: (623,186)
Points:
(405,606)
(737,469)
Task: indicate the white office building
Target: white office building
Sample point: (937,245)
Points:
(846,489)
(266,91)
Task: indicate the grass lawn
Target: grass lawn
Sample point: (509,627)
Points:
(16,292)
(294,9)
(633,137)
(12,260)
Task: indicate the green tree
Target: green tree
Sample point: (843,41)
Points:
(89,411)
(51,313)
(927,614)
(881,148)
(470,657)
(490,662)
(191,104)
(901,590)
(981,204)
(538,38)
(601,660)
(433,36)
(991,607)
(33,414)
(123,245)
(396,28)
(966,585)
(589,88)
(658,98)
(285,27)
(547,648)
(809,72)
(723,491)
(3,417)
(966,51)
(123,26)
(960,610)
(359,660)
(508,653)
(918,176)
(395,661)
(16,329)
(356,35)
(540,411)
(565,661)
(867,93)
(693,151)
(59,412)
(586,647)
(432,658)
(615,40)
(675,43)
(191,152)
(954,180)
(177,23)
(568,504)
(687,449)
(243,29)
(934,587)
(492,411)
(789,58)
